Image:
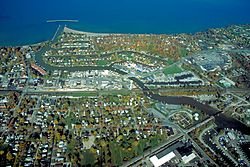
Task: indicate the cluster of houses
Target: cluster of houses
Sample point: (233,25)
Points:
(44,125)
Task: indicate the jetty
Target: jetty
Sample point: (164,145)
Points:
(54,21)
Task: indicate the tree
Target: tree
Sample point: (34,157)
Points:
(55,122)
(9,156)
(120,137)
(71,145)
(63,137)
(135,143)
(103,143)
(57,136)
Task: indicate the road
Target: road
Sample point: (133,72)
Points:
(166,144)
(180,100)
(152,151)
(183,132)
(35,110)
(202,134)
(236,96)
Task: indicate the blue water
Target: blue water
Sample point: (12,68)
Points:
(24,21)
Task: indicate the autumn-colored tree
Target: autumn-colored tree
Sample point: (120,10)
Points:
(63,137)
(9,156)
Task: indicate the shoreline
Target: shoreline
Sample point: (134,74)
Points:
(25,45)
(66,29)
(69,30)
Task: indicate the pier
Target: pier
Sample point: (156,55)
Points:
(56,33)
(54,21)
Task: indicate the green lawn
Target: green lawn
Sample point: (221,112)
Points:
(116,153)
(96,93)
(183,52)
(89,158)
(79,94)
(129,56)
(170,61)
(125,57)
(102,62)
(172,70)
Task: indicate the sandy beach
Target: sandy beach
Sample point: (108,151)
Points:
(68,30)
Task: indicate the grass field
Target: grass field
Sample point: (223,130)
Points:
(96,93)
(79,94)
(172,70)
(102,62)
(170,61)
(183,52)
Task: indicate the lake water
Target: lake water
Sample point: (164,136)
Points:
(24,22)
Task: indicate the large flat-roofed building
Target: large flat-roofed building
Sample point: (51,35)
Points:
(38,69)
(179,153)
(186,159)
(156,161)
(210,61)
